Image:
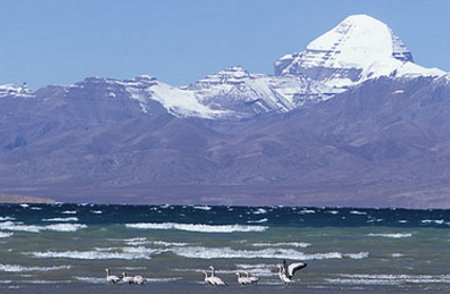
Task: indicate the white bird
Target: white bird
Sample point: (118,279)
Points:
(287,271)
(252,279)
(243,280)
(208,279)
(111,278)
(215,280)
(138,280)
(127,279)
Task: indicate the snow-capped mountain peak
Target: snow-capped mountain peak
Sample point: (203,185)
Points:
(358,48)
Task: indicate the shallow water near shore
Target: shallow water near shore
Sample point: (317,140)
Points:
(65,248)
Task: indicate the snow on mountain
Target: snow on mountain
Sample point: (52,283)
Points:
(145,89)
(245,93)
(357,49)
(11,90)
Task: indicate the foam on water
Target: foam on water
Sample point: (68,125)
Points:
(258,221)
(69,212)
(61,219)
(393,235)
(96,211)
(203,207)
(356,212)
(289,244)
(389,279)
(6,235)
(12,226)
(198,227)
(95,254)
(14,268)
(431,221)
(260,211)
(6,218)
(227,252)
(307,211)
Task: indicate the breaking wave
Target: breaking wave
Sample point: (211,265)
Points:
(11,226)
(201,228)
(5,235)
(277,253)
(388,279)
(14,268)
(61,219)
(289,244)
(125,253)
(393,235)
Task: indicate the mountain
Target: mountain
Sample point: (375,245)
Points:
(357,49)
(340,124)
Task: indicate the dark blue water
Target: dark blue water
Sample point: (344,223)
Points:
(65,248)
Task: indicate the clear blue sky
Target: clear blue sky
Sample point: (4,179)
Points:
(62,41)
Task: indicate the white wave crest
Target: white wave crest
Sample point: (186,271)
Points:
(14,268)
(393,235)
(201,228)
(69,212)
(356,212)
(5,235)
(11,226)
(281,244)
(126,253)
(96,211)
(433,221)
(260,211)
(389,279)
(203,207)
(307,211)
(258,221)
(332,211)
(61,219)
(6,218)
(227,252)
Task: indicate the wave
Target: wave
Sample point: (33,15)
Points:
(389,279)
(125,253)
(431,221)
(91,280)
(260,269)
(260,211)
(276,253)
(332,211)
(258,221)
(5,235)
(393,235)
(11,226)
(307,211)
(96,211)
(35,208)
(14,268)
(289,244)
(203,207)
(201,228)
(69,212)
(24,205)
(6,218)
(144,241)
(356,212)
(61,219)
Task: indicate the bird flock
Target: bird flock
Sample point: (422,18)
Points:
(286,274)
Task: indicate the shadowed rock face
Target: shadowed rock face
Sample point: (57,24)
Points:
(384,143)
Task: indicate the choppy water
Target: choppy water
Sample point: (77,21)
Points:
(64,248)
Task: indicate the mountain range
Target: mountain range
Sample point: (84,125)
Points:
(350,121)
